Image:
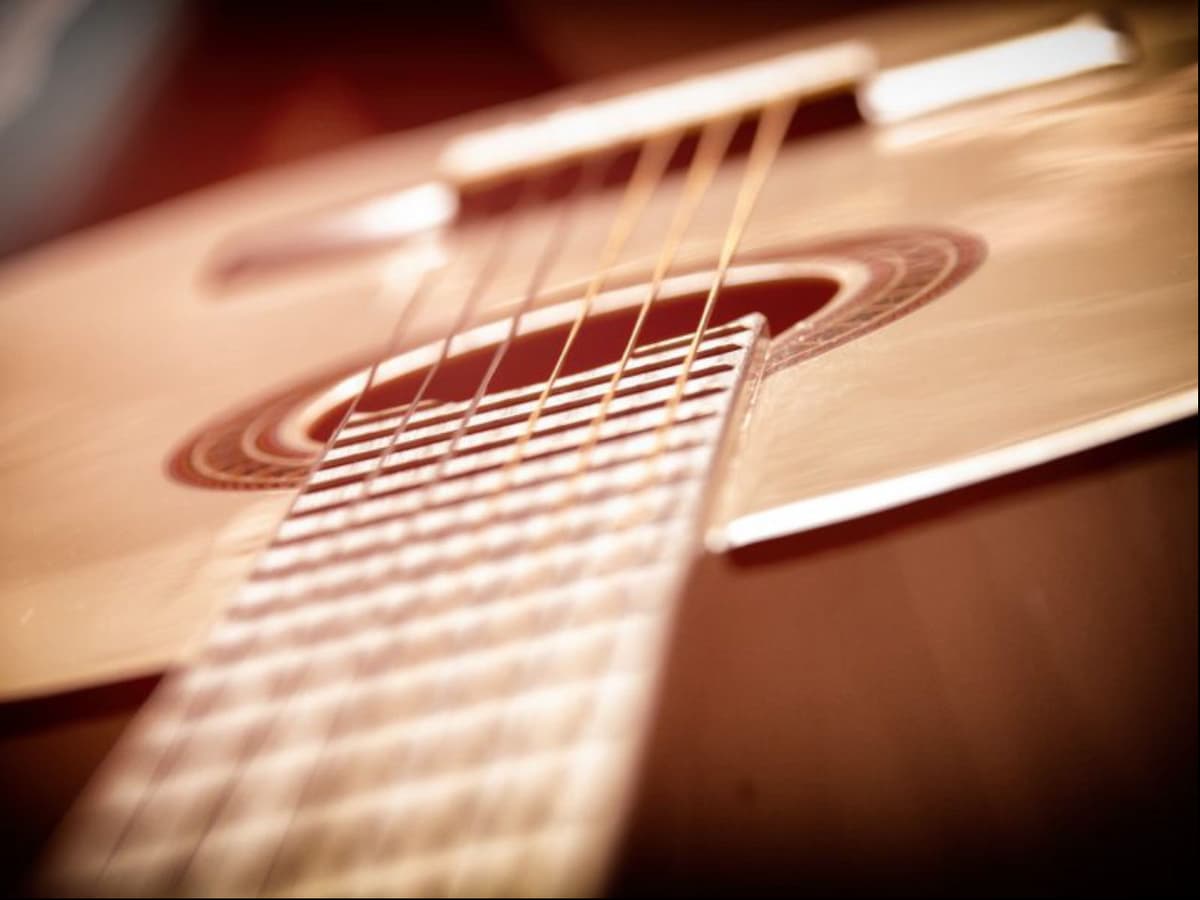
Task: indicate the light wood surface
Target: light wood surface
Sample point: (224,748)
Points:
(118,347)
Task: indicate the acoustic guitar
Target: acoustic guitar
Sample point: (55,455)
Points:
(774,470)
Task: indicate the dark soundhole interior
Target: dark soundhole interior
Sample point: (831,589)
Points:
(601,340)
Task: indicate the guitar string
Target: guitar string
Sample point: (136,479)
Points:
(191,711)
(648,172)
(717,138)
(492,258)
(713,143)
(500,351)
(772,129)
(769,135)
(545,261)
(170,753)
(543,264)
(614,246)
(298,679)
(651,165)
(629,210)
(562,355)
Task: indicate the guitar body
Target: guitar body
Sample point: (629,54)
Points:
(935,623)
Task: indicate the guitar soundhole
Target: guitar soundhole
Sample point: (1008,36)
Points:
(602,339)
(841,289)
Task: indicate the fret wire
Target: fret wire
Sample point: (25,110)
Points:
(658,355)
(487,443)
(392,515)
(550,254)
(532,677)
(447,684)
(327,493)
(617,465)
(768,138)
(564,618)
(169,753)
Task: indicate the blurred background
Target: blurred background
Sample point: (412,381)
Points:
(108,106)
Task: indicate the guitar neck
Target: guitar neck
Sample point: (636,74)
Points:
(437,677)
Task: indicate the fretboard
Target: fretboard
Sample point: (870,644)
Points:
(436,679)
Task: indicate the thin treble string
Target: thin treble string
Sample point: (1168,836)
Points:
(193,708)
(492,260)
(651,166)
(545,262)
(714,143)
(768,138)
